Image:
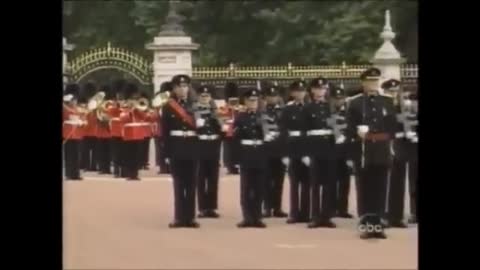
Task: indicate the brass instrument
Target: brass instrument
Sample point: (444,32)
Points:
(96,101)
(102,110)
(160,99)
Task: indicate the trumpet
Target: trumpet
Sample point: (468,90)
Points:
(160,99)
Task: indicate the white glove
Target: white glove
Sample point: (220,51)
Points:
(340,139)
(68,98)
(286,161)
(268,138)
(200,122)
(224,128)
(410,134)
(306,161)
(362,130)
(392,151)
(167,161)
(414,139)
(350,164)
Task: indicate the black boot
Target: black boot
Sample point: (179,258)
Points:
(279,213)
(176,224)
(244,224)
(267,213)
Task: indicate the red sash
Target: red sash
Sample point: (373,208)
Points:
(181,112)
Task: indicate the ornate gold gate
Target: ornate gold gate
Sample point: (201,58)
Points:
(111,58)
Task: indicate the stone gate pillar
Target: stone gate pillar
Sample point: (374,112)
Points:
(66,48)
(172,50)
(387,58)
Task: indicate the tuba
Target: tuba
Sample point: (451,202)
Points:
(160,99)
(96,101)
(102,110)
(141,104)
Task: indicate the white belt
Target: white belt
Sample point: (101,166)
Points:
(251,142)
(208,137)
(399,135)
(183,133)
(136,124)
(294,133)
(319,132)
(229,121)
(115,119)
(77,122)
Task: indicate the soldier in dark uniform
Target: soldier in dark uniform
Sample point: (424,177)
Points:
(342,173)
(404,152)
(293,128)
(209,140)
(371,125)
(274,147)
(249,131)
(179,131)
(230,158)
(319,157)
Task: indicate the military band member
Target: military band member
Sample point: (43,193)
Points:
(249,131)
(274,148)
(133,133)
(179,129)
(371,125)
(319,158)
(342,170)
(89,153)
(230,157)
(293,127)
(145,145)
(103,131)
(209,140)
(73,124)
(404,152)
(116,126)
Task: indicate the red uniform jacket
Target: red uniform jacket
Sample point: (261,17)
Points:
(103,130)
(73,128)
(228,114)
(116,126)
(91,127)
(134,124)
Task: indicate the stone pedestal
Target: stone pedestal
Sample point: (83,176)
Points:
(387,58)
(66,48)
(172,55)
(172,49)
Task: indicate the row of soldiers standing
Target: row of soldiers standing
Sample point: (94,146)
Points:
(318,143)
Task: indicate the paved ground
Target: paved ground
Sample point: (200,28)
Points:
(114,224)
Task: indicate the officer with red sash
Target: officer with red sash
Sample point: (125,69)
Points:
(73,124)
(133,132)
(179,130)
(89,153)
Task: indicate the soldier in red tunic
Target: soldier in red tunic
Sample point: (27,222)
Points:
(89,155)
(133,133)
(230,159)
(116,127)
(72,132)
(103,131)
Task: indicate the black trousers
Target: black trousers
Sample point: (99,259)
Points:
(341,186)
(184,182)
(207,185)
(145,152)
(228,152)
(396,191)
(71,150)
(251,185)
(299,189)
(132,157)
(273,188)
(159,154)
(103,155)
(412,185)
(322,189)
(115,152)
(89,154)
(371,184)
